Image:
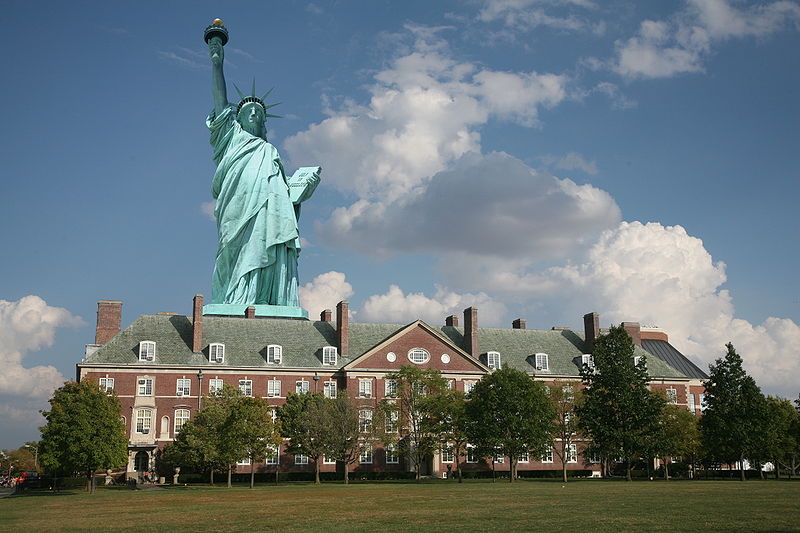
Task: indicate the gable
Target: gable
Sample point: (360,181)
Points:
(417,335)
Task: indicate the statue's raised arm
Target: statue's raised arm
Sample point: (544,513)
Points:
(216,37)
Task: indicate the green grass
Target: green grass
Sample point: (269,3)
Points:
(591,505)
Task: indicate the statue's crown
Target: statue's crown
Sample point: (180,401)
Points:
(253,99)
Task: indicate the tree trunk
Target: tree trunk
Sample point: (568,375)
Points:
(230,470)
(511,470)
(628,469)
(647,464)
(212,476)
(564,471)
(277,470)
(777,469)
(741,470)
(460,475)
(252,472)
(346,473)
(494,472)
(316,470)
(666,469)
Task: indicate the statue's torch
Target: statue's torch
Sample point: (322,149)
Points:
(216,31)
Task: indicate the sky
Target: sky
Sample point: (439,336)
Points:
(536,158)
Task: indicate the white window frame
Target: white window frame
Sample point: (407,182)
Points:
(365,458)
(181,417)
(469,384)
(569,393)
(547,456)
(215,386)
(246,387)
(636,359)
(499,459)
(329,389)
(365,388)
(216,352)
(275,457)
(588,360)
(273,388)
(390,388)
(144,386)
(106,384)
(301,386)
(243,462)
(524,457)
(183,387)
(447,454)
(392,457)
(672,396)
(392,422)
(330,355)
(572,453)
(471,457)
(300,459)
(274,354)
(690,402)
(542,361)
(328,461)
(364,420)
(701,402)
(423,353)
(147,351)
(493,360)
(144,421)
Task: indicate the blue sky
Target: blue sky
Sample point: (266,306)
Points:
(537,158)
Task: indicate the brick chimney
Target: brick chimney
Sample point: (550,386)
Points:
(591,328)
(519,323)
(471,342)
(197,323)
(250,311)
(635,331)
(343,327)
(109,318)
(452,320)
(326,315)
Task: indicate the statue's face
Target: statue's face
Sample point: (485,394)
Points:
(251,118)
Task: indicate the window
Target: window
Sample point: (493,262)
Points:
(181,417)
(637,359)
(572,453)
(274,388)
(273,413)
(246,387)
(587,360)
(672,396)
(391,422)
(701,399)
(364,420)
(472,457)
(419,388)
(106,384)
(392,457)
(214,386)
(542,362)
(447,454)
(451,384)
(274,456)
(147,351)
(328,460)
(418,356)
(145,387)
(468,386)
(366,456)
(691,405)
(243,462)
(365,388)
(329,389)
(569,393)
(301,387)
(547,457)
(498,458)
(329,355)
(144,420)
(216,352)
(493,360)
(524,457)
(183,387)
(300,459)
(274,354)
(390,388)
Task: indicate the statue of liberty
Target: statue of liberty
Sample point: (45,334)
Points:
(257,206)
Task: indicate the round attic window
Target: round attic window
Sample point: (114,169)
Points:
(445,358)
(391,357)
(418,356)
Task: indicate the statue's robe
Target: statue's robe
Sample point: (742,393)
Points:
(259,241)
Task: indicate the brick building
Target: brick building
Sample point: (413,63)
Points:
(161,365)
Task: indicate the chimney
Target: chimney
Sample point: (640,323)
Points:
(326,315)
(250,312)
(519,323)
(635,331)
(471,343)
(343,327)
(591,328)
(109,318)
(197,323)
(452,320)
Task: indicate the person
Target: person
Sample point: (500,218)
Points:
(257,207)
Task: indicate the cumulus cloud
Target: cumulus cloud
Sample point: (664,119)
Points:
(660,275)
(324,292)
(28,325)
(397,307)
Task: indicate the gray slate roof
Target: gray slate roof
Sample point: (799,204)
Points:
(246,341)
(667,353)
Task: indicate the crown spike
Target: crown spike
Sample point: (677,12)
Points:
(241,96)
(253,92)
(267,94)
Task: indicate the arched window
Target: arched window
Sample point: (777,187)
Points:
(418,356)
(164,433)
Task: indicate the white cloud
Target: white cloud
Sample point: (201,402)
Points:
(397,307)
(28,325)
(526,15)
(661,275)
(324,292)
(207,208)
(575,161)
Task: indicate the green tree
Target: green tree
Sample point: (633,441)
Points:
(416,408)
(779,444)
(197,444)
(733,423)
(349,435)
(84,431)
(305,421)
(511,414)
(450,419)
(677,436)
(619,412)
(255,430)
(565,399)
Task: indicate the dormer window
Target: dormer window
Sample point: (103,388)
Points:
(216,352)
(329,355)
(637,359)
(587,360)
(542,362)
(493,360)
(147,351)
(274,354)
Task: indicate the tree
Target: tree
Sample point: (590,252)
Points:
(197,444)
(305,421)
(450,419)
(416,411)
(735,411)
(677,435)
(252,422)
(619,411)
(84,431)
(349,434)
(511,414)
(564,399)
(778,442)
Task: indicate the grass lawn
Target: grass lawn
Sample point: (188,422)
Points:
(591,505)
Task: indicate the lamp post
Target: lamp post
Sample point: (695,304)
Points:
(35,455)
(200,389)
(316,380)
